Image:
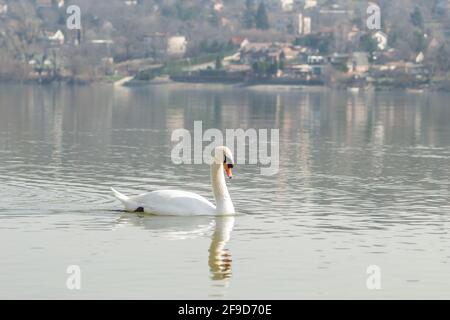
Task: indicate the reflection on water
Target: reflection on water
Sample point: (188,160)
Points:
(363,180)
(173,228)
(220,260)
(181,228)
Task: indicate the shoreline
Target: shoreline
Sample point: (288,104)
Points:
(130,82)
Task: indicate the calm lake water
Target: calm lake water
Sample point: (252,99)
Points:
(364,180)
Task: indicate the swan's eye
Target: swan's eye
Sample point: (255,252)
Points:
(230,166)
(228,161)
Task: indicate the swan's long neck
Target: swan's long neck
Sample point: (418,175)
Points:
(224,205)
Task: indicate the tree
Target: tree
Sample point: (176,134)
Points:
(219,64)
(443,58)
(418,42)
(368,44)
(249,14)
(416,18)
(262,20)
(323,43)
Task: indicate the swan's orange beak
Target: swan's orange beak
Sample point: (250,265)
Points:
(228,170)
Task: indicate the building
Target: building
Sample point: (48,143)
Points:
(333,16)
(358,63)
(287,5)
(3,8)
(101,50)
(339,59)
(50,3)
(218,5)
(298,71)
(304,24)
(263,52)
(176,46)
(239,41)
(310,4)
(315,60)
(420,58)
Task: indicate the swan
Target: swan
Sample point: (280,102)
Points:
(183,203)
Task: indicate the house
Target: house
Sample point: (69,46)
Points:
(358,63)
(287,5)
(298,71)
(217,5)
(101,49)
(339,59)
(434,44)
(261,52)
(176,46)
(239,41)
(50,3)
(310,4)
(42,65)
(315,60)
(290,53)
(304,24)
(416,72)
(56,38)
(382,40)
(333,16)
(420,57)
(3,9)
(227,23)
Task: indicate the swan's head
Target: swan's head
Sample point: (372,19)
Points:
(223,155)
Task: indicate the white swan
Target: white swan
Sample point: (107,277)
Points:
(183,203)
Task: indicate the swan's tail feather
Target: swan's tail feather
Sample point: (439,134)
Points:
(123,198)
(129,204)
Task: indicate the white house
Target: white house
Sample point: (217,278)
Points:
(176,46)
(316,59)
(287,5)
(3,8)
(218,5)
(240,42)
(382,40)
(304,24)
(420,57)
(310,4)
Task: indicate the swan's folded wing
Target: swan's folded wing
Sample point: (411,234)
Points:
(174,202)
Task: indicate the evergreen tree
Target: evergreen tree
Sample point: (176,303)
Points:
(219,64)
(416,18)
(249,14)
(262,20)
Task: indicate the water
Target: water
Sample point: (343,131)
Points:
(363,180)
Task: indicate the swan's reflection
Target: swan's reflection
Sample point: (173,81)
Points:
(220,261)
(181,228)
(169,227)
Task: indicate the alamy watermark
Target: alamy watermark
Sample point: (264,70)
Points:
(73,282)
(373,282)
(74,20)
(374,16)
(190,150)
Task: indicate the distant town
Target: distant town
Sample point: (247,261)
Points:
(246,42)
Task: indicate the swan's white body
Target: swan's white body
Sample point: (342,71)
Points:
(183,203)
